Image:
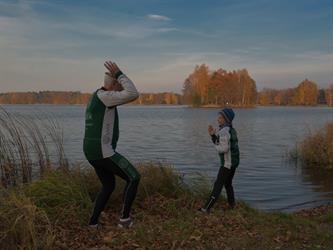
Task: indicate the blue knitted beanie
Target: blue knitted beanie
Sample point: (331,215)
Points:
(228,114)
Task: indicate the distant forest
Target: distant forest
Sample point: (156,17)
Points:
(44,97)
(63,97)
(238,89)
(202,88)
(306,93)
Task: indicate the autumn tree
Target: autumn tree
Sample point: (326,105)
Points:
(248,88)
(329,96)
(219,87)
(266,96)
(196,86)
(306,93)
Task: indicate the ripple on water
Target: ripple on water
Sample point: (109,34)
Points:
(178,136)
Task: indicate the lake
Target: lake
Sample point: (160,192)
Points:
(177,135)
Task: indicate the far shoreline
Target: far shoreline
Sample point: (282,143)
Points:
(207,106)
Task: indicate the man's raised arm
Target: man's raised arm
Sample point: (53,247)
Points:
(114,98)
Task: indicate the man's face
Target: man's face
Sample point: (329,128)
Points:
(221,120)
(114,86)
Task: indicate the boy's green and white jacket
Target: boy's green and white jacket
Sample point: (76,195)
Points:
(226,144)
(102,125)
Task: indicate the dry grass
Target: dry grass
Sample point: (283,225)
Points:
(316,150)
(23,225)
(25,146)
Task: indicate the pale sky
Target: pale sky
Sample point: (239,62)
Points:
(62,45)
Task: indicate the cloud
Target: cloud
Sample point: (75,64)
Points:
(53,41)
(126,30)
(158,17)
(164,30)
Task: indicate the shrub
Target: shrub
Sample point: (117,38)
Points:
(316,150)
(22,224)
(62,195)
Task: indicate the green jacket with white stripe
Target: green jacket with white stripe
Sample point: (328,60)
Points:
(226,144)
(102,123)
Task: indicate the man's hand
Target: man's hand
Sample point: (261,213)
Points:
(114,70)
(211,130)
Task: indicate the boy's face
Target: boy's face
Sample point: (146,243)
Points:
(221,120)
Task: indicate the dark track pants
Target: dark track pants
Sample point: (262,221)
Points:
(106,169)
(224,178)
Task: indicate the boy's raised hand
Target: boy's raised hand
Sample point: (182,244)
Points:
(211,130)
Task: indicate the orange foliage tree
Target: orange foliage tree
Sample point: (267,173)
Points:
(219,87)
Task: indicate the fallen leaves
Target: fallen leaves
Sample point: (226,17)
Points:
(158,227)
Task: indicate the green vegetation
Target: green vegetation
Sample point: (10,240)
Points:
(316,150)
(52,213)
(61,194)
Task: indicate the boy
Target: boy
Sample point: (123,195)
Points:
(226,144)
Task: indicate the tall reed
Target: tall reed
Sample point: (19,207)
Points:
(28,146)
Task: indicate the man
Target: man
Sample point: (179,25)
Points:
(100,142)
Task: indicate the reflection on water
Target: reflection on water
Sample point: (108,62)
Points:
(178,136)
(320,179)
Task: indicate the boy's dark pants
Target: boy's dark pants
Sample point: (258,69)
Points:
(224,178)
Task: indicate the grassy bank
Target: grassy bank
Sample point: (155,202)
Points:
(316,149)
(51,213)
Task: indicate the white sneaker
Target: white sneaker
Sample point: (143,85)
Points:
(95,226)
(125,223)
(203,210)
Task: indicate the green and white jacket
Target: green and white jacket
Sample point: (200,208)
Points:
(102,123)
(226,144)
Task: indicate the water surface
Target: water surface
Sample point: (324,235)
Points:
(178,135)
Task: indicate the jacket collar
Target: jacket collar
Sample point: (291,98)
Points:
(225,125)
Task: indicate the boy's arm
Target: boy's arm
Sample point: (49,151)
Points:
(222,146)
(214,138)
(115,98)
